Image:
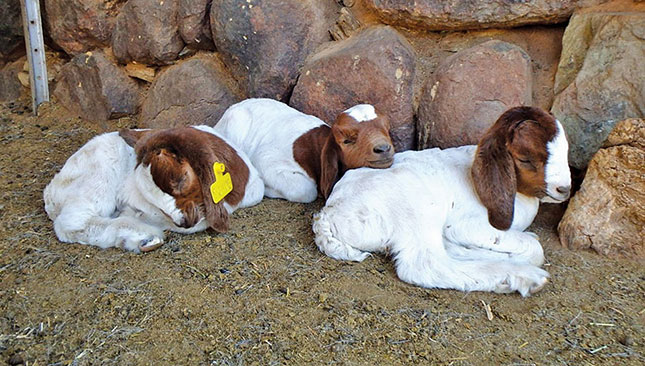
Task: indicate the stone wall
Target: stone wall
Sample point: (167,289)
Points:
(442,71)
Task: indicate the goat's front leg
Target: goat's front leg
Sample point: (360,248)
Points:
(472,238)
(421,259)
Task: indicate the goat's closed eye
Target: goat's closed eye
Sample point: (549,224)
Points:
(348,142)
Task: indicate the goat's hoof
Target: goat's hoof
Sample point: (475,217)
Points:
(149,244)
(538,286)
(532,234)
(527,282)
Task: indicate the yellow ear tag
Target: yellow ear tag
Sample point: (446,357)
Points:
(223,184)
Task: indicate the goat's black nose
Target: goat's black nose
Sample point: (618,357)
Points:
(380,149)
(564,190)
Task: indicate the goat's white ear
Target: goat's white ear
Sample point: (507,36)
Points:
(131,137)
(329,167)
(493,174)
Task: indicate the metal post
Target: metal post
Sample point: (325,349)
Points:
(33,31)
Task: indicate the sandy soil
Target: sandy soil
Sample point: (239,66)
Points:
(262,294)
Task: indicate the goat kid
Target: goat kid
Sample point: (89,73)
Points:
(123,189)
(297,154)
(455,218)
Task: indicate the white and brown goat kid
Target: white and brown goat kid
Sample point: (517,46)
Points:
(455,218)
(297,154)
(123,189)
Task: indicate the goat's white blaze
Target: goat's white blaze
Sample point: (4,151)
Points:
(155,196)
(557,172)
(362,112)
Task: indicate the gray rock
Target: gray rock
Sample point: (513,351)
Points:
(194,23)
(265,43)
(375,66)
(95,88)
(81,25)
(468,14)
(11,39)
(10,86)
(608,213)
(601,76)
(470,90)
(147,32)
(195,91)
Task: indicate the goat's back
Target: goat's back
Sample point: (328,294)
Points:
(260,125)
(92,174)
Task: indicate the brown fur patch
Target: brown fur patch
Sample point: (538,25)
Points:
(307,150)
(325,154)
(510,158)
(181,163)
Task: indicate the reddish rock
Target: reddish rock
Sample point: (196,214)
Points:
(81,25)
(11,38)
(601,75)
(375,66)
(95,88)
(195,91)
(470,90)
(608,213)
(10,86)
(194,23)
(265,42)
(468,14)
(147,32)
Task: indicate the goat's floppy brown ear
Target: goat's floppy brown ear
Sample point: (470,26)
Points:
(329,167)
(493,174)
(132,136)
(216,213)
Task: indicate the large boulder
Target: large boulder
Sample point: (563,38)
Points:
(195,91)
(266,42)
(468,14)
(194,23)
(81,25)
(470,90)
(147,32)
(11,39)
(601,75)
(375,66)
(608,213)
(95,88)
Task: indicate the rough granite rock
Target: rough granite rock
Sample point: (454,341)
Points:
(470,90)
(10,86)
(601,75)
(608,213)
(147,32)
(95,88)
(467,14)
(11,38)
(194,23)
(195,91)
(81,25)
(375,66)
(265,43)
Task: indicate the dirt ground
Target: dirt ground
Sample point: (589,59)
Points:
(263,294)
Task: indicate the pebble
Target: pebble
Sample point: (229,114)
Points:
(16,359)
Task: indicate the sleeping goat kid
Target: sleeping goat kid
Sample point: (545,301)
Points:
(298,155)
(455,218)
(123,189)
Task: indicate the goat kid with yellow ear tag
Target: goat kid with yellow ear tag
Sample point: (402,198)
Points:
(223,184)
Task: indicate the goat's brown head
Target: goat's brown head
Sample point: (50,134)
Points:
(179,161)
(359,137)
(525,151)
